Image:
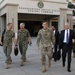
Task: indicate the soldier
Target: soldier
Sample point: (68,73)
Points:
(7,44)
(46,36)
(23,39)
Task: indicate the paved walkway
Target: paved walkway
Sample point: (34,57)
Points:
(33,65)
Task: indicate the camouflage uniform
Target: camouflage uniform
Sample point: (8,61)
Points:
(7,44)
(46,37)
(23,36)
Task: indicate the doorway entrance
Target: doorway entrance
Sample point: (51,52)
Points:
(55,24)
(32,26)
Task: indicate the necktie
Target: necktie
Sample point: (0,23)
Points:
(67,37)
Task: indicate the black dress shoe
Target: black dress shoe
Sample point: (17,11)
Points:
(69,70)
(63,64)
(55,60)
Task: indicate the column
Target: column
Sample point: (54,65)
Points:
(0,25)
(70,20)
(49,22)
(12,16)
(59,23)
(62,19)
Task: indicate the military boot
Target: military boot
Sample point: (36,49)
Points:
(24,60)
(22,63)
(73,55)
(10,61)
(49,64)
(6,66)
(44,68)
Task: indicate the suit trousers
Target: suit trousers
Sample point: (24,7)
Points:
(66,52)
(55,52)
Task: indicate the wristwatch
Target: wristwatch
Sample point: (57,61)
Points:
(15,45)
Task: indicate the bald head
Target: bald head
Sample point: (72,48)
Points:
(67,25)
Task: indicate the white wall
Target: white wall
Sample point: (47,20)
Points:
(13,1)
(0,0)
(3,2)
(51,0)
(52,5)
(47,5)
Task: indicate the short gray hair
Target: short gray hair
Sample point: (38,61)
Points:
(67,23)
(22,24)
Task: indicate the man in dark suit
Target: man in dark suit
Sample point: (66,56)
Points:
(66,44)
(56,33)
(74,45)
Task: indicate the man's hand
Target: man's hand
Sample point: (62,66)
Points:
(30,43)
(73,40)
(15,46)
(38,47)
(0,43)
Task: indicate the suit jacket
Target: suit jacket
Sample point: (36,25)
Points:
(71,36)
(56,37)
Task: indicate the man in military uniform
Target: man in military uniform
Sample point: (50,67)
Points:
(46,36)
(7,44)
(23,39)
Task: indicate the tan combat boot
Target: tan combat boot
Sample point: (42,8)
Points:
(73,55)
(44,68)
(22,63)
(49,64)
(24,60)
(6,66)
(10,61)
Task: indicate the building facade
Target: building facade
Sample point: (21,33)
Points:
(33,12)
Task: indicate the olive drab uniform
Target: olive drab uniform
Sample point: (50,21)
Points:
(7,44)
(46,37)
(23,36)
